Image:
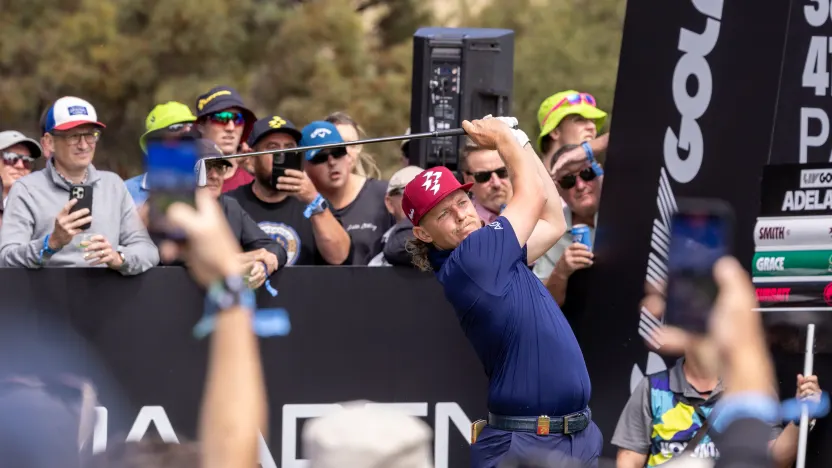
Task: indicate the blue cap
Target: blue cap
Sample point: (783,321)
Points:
(319,133)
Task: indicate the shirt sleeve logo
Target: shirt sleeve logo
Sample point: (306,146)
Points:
(432,181)
(496,225)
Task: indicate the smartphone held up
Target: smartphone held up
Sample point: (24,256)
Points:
(171,168)
(701,232)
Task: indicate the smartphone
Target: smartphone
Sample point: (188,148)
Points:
(701,232)
(171,168)
(82,193)
(283,161)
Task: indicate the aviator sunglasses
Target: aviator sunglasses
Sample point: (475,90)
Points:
(222,118)
(484,176)
(569,181)
(323,155)
(10,159)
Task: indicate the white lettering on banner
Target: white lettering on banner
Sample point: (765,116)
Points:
(695,48)
(807,200)
(770,263)
(816,75)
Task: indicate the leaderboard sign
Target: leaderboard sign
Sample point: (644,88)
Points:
(802,131)
(792,264)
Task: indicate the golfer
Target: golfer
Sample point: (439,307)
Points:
(538,383)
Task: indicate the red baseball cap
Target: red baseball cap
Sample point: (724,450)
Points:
(427,189)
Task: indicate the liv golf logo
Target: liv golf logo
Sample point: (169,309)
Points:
(695,47)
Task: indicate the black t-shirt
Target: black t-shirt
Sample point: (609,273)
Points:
(366,219)
(283,222)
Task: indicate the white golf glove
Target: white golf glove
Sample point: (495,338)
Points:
(519,135)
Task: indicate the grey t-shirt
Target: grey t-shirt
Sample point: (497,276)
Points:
(634,430)
(366,219)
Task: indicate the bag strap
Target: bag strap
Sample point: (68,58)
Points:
(700,434)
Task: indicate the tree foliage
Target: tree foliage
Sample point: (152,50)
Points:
(302,59)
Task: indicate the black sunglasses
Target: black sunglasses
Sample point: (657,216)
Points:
(323,155)
(484,176)
(569,181)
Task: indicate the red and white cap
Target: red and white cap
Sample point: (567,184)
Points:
(427,189)
(69,112)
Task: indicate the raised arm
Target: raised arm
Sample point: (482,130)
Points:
(552,224)
(524,209)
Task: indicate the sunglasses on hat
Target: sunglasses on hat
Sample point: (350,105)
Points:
(222,118)
(571,100)
(323,155)
(569,181)
(484,176)
(10,159)
(179,127)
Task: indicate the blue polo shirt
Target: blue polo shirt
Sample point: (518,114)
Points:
(529,352)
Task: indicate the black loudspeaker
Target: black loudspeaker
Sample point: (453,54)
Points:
(458,74)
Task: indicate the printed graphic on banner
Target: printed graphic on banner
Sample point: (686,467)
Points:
(802,129)
(795,231)
(790,190)
(793,263)
(778,295)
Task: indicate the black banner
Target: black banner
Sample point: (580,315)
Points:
(786,295)
(693,118)
(802,130)
(796,190)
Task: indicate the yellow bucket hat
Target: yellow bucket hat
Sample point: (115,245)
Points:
(559,105)
(163,116)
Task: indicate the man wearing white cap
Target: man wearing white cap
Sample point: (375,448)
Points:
(394,241)
(39,224)
(19,154)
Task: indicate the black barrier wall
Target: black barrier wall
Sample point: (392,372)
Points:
(381,334)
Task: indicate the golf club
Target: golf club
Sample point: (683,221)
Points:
(437,134)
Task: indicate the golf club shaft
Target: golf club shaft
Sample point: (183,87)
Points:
(437,134)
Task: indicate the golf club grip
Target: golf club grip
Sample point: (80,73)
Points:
(449,133)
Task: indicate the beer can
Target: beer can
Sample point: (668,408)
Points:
(581,233)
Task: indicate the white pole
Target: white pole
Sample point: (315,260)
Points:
(808,364)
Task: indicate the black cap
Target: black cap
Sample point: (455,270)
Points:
(221,98)
(273,124)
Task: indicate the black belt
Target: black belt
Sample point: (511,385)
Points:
(542,425)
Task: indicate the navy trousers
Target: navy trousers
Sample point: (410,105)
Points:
(502,449)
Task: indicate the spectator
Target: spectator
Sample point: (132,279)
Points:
(394,252)
(492,188)
(581,193)
(567,118)
(169,120)
(262,255)
(406,156)
(363,163)
(224,119)
(293,213)
(356,201)
(38,228)
(19,155)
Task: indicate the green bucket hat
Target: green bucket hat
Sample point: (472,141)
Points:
(163,116)
(559,105)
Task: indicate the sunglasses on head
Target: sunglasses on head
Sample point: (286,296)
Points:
(484,176)
(571,100)
(569,181)
(323,155)
(10,159)
(222,118)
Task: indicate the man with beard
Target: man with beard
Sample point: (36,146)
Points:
(356,201)
(293,213)
(492,188)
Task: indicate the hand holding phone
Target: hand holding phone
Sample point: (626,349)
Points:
(282,161)
(69,223)
(701,233)
(82,193)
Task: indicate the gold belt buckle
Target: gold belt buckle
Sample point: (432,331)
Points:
(543,423)
(565,425)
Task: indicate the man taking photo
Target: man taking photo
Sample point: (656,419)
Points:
(39,226)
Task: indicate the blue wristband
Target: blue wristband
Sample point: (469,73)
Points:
(745,406)
(590,156)
(268,284)
(314,207)
(791,409)
(45,250)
